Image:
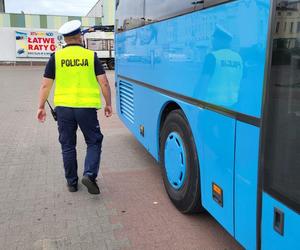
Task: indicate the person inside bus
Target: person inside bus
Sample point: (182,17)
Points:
(222,71)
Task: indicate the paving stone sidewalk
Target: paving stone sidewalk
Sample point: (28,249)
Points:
(36,211)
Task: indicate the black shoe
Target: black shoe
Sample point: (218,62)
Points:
(72,188)
(91,185)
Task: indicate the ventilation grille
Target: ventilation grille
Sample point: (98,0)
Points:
(126,100)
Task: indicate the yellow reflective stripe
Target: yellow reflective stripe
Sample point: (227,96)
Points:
(71,99)
(78,105)
(78,95)
(89,105)
(67,104)
(60,90)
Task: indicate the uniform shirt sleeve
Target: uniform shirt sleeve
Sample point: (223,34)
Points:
(98,66)
(50,68)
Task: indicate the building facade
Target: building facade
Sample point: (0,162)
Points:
(43,21)
(15,30)
(104,9)
(287,25)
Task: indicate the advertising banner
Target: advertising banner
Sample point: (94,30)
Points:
(37,43)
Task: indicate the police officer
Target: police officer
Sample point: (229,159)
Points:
(222,71)
(78,73)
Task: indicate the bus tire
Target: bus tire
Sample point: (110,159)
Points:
(180,165)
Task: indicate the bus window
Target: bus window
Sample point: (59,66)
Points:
(209,3)
(129,14)
(158,10)
(282,157)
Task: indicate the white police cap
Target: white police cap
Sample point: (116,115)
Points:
(221,31)
(70,28)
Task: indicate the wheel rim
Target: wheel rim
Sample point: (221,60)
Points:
(175,162)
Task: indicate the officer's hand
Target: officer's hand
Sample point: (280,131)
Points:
(41,115)
(108,111)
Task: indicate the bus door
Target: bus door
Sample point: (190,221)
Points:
(280,154)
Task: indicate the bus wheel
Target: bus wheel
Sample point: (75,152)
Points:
(179,160)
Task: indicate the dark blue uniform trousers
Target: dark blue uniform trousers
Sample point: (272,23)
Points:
(68,120)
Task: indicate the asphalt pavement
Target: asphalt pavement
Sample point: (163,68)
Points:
(133,210)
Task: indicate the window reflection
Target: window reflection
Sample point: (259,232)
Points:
(160,9)
(135,13)
(129,14)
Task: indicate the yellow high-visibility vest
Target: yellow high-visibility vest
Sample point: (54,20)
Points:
(223,87)
(76,82)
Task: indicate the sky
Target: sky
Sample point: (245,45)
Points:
(50,7)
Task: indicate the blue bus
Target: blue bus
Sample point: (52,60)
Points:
(211,89)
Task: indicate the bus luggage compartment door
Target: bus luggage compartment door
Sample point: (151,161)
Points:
(216,134)
(246,173)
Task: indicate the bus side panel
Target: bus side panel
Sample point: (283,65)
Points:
(147,101)
(246,169)
(215,135)
(147,110)
(214,138)
(271,239)
(148,107)
(143,104)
